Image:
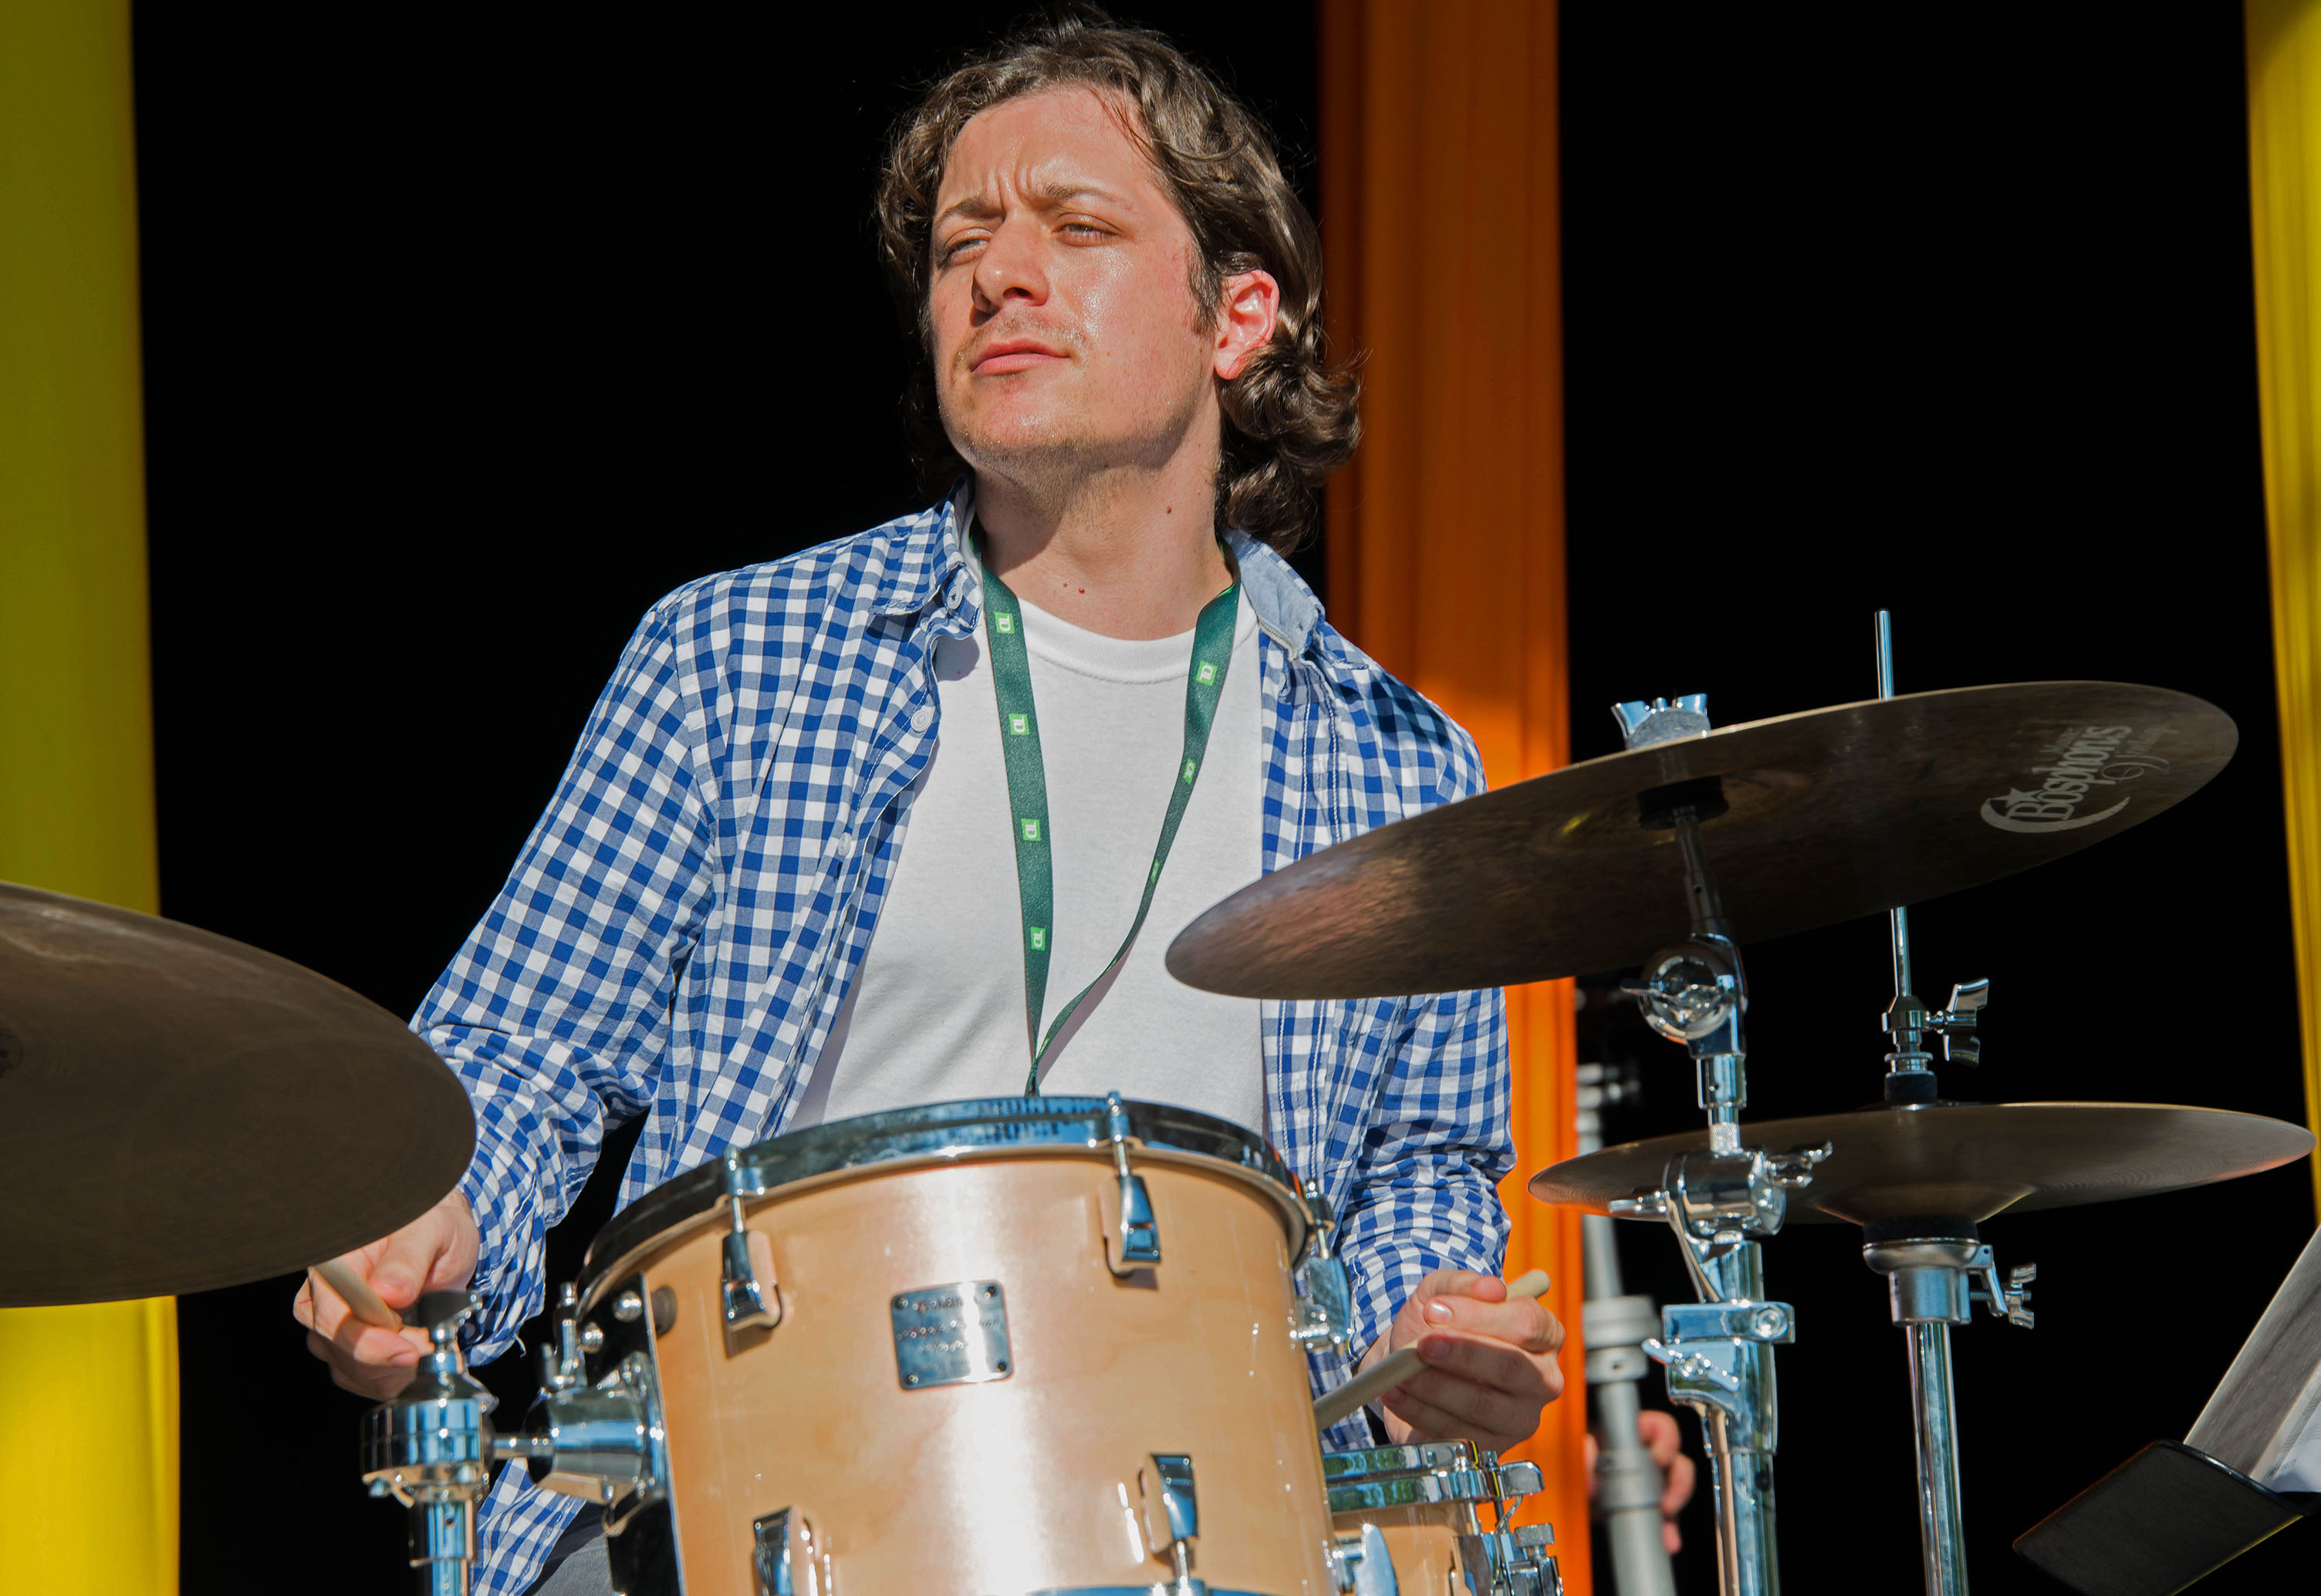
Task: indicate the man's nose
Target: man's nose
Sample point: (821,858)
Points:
(1009,269)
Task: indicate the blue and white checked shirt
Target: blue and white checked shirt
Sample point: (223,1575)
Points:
(687,917)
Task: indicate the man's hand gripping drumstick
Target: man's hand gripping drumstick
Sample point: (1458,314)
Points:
(1508,1358)
(371,1350)
(354,1290)
(1473,1358)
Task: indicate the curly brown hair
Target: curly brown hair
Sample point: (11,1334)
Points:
(1290,415)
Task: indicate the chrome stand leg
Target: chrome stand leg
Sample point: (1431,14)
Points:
(1715,1434)
(1932,1408)
(442,1543)
(1719,1356)
(1933,1283)
(1743,1481)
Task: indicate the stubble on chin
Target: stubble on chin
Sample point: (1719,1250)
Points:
(1017,426)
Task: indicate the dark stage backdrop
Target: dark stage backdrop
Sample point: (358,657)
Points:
(463,346)
(1948,311)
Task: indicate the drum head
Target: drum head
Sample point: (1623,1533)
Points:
(975,1127)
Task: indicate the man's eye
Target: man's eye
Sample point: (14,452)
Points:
(1086,232)
(959,246)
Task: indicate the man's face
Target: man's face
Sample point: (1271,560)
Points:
(1065,332)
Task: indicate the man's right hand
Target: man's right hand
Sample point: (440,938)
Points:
(435,1252)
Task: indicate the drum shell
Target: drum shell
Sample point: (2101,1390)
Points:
(1024,1483)
(1421,1542)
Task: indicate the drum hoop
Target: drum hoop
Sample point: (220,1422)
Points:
(980,1129)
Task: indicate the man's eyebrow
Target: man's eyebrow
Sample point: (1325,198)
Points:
(980,206)
(1062,191)
(976,208)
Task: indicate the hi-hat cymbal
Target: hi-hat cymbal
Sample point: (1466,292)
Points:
(1828,814)
(1967,1161)
(179,1111)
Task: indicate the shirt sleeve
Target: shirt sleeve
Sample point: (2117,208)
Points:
(1435,1139)
(1426,1191)
(555,1010)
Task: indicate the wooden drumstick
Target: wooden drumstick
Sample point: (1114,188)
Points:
(1391,1371)
(353,1290)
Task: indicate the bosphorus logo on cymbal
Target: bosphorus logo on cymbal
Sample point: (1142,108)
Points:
(2079,766)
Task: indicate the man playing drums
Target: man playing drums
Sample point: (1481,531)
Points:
(794,872)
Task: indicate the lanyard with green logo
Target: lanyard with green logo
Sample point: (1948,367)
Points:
(1027,783)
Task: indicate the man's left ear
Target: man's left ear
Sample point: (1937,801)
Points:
(1245,321)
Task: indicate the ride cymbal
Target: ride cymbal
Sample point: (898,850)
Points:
(179,1111)
(1966,1161)
(1807,819)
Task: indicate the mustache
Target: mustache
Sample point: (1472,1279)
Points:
(1060,335)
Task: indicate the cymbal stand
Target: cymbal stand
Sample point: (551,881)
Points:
(1719,1350)
(1936,1268)
(431,1448)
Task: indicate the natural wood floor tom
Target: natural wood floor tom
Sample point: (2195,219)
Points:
(1021,1461)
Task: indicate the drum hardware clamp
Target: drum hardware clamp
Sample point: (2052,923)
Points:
(750,1303)
(1140,1233)
(783,1542)
(1173,1517)
(1326,1297)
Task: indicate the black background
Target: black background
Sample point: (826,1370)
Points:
(466,342)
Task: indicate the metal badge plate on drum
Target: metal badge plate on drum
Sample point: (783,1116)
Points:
(950,1335)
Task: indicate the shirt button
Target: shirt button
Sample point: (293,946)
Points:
(922,717)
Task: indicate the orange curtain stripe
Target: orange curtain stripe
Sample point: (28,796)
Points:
(1441,227)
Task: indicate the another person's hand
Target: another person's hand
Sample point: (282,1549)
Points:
(1490,1361)
(435,1252)
(1662,1438)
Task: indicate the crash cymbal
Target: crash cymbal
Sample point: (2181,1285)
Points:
(179,1111)
(1826,815)
(1965,1160)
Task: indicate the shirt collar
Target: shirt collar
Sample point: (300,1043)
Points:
(1286,608)
(932,562)
(929,561)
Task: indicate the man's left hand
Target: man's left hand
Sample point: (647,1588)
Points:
(1491,1362)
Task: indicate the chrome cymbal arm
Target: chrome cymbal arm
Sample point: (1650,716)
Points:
(1695,993)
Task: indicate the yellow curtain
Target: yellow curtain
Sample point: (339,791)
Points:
(2284,101)
(1446,533)
(88,1434)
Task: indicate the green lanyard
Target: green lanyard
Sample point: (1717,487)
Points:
(1027,783)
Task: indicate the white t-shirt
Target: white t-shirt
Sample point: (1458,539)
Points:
(937,1011)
